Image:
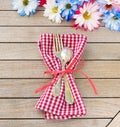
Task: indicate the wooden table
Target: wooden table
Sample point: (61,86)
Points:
(21,72)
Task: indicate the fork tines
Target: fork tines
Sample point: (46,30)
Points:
(57,42)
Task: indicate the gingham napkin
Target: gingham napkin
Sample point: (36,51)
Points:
(56,107)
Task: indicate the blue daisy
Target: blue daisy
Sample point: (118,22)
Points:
(25,7)
(80,2)
(68,8)
(111,20)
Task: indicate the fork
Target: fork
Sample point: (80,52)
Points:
(57,49)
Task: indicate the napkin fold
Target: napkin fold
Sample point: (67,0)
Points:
(56,107)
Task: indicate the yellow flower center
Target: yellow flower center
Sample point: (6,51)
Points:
(25,2)
(86,15)
(54,9)
(68,5)
(108,6)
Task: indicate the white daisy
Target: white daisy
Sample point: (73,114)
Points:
(25,7)
(52,11)
(112,20)
(87,17)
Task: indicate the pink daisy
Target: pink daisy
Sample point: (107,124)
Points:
(88,17)
(108,5)
(117,4)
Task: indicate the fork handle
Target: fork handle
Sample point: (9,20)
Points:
(56,88)
(68,93)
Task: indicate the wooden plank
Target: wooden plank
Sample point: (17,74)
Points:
(51,123)
(5,4)
(31,51)
(24,108)
(26,30)
(35,69)
(36,20)
(31,34)
(26,87)
(115,122)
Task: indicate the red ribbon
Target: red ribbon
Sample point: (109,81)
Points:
(63,72)
(42,2)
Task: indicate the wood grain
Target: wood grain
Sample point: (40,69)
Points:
(21,71)
(68,123)
(31,34)
(24,108)
(39,20)
(115,122)
(5,4)
(35,69)
(17,20)
(26,87)
(30,51)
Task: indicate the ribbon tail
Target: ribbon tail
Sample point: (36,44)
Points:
(75,70)
(44,87)
(91,82)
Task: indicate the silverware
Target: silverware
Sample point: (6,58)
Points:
(57,48)
(64,54)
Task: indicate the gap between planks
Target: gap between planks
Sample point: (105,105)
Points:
(115,121)
(51,123)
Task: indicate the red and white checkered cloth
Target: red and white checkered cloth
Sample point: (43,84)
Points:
(56,107)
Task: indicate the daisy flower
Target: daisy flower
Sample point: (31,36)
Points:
(117,4)
(68,8)
(25,7)
(52,11)
(107,4)
(112,20)
(87,17)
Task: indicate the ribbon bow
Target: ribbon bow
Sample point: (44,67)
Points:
(63,72)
